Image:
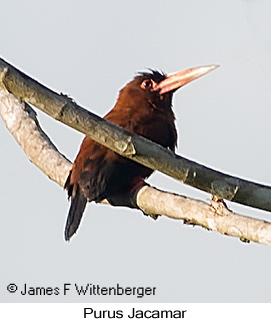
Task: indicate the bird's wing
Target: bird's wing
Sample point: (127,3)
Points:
(91,169)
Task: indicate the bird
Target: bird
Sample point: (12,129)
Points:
(144,107)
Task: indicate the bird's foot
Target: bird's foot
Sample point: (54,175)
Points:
(127,198)
(138,183)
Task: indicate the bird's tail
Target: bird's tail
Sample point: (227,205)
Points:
(78,204)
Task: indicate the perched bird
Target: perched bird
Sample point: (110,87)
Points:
(144,106)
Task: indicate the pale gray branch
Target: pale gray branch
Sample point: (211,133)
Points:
(214,216)
(21,121)
(131,145)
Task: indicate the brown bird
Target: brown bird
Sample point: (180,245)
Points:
(144,106)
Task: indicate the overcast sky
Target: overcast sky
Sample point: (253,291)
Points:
(90,50)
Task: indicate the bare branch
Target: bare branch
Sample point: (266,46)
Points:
(215,216)
(131,145)
(21,121)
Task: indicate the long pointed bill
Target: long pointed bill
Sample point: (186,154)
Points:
(174,81)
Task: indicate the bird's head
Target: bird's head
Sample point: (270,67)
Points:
(155,89)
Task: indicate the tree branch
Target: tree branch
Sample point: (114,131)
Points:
(214,216)
(21,120)
(131,145)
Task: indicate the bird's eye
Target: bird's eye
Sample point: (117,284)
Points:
(147,84)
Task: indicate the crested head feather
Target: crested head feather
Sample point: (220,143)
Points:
(155,75)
